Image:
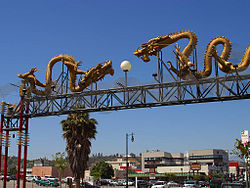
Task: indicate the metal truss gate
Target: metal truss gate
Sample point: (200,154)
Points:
(232,87)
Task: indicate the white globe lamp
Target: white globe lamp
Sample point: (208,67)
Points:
(125,66)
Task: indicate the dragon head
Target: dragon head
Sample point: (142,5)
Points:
(107,68)
(97,73)
(152,47)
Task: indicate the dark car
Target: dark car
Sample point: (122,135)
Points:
(142,184)
(232,185)
(203,183)
(7,177)
(87,185)
(13,177)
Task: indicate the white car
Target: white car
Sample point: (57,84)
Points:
(130,183)
(173,184)
(114,183)
(35,178)
(29,178)
(65,180)
(51,178)
(160,184)
(192,184)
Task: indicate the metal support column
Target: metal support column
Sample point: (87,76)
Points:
(126,160)
(19,144)
(6,155)
(25,147)
(1,141)
(132,139)
(126,101)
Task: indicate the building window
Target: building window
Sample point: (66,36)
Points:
(204,157)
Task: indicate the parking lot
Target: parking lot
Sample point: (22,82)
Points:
(12,184)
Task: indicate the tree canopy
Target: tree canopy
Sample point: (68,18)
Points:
(102,170)
(241,150)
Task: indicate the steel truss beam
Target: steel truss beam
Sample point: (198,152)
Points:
(232,87)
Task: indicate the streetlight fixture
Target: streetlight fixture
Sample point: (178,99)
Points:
(132,139)
(125,66)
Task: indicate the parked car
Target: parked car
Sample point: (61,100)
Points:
(203,183)
(173,184)
(191,184)
(114,183)
(160,184)
(130,183)
(44,182)
(41,182)
(52,178)
(87,185)
(35,178)
(53,183)
(12,177)
(142,184)
(8,177)
(232,185)
(29,178)
(67,179)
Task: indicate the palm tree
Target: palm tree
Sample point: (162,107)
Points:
(78,130)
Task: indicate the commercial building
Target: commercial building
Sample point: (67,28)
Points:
(203,161)
(119,166)
(216,160)
(152,159)
(119,163)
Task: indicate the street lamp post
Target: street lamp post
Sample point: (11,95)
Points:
(132,139)
(125,66)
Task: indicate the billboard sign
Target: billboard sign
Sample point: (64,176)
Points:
(244,136)
(195,166)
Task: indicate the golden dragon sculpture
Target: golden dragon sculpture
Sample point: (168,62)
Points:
(90,76)
(153,46)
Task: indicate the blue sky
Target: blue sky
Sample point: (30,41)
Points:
(32,32)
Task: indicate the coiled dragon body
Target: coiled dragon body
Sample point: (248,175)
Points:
(90,76)
(155,45)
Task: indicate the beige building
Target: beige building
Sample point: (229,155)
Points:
(208,161)
(150,160)
(49,171)
(181,169)
(216,159)
(119,163)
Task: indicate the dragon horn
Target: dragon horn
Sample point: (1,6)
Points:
(79,63)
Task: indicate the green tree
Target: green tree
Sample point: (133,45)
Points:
(102,170)
(170,176)
(13,171)
(242,151)
(60,163)
(217,175)
(78,130)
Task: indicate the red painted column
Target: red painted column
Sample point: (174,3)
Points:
(6,156)
(1,132)
(25,147)
(19,144)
